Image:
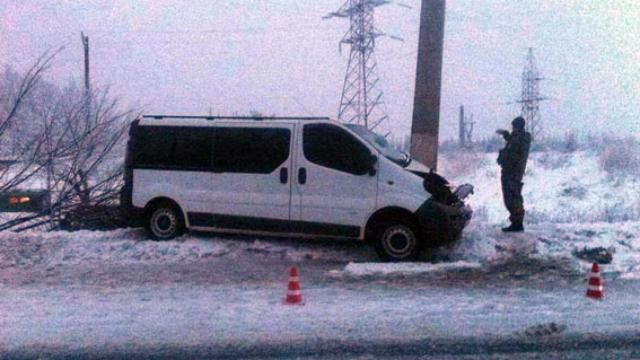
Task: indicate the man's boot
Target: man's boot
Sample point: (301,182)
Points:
(514,228)
(517,219)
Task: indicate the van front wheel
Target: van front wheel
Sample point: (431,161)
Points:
(164,222)
(397,241)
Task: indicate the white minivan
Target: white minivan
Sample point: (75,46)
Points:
(298,177)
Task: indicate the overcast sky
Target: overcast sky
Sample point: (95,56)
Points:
(279,56)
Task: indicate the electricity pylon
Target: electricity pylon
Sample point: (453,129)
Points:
(362,99)
(530,97)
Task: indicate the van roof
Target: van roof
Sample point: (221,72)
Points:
(190,120)
(255,118)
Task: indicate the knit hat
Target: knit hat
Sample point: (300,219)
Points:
(518,122)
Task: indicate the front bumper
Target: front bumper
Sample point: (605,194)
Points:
(442,224)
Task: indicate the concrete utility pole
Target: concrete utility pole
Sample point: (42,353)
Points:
(82,184)
(462,131)
(426,106)
(85,44)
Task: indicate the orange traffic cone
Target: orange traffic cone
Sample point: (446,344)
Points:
(294,295)
(595,290)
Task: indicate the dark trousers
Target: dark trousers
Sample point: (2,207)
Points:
(512,195)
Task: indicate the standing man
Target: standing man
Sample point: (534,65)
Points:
(513,161)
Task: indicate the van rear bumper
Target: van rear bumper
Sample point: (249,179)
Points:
(442,224)
(133,216)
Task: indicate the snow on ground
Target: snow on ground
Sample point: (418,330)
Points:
(482,244)
(241,318)
(486,243)
(394,269)
(572,204)
(559,188)
(36,248)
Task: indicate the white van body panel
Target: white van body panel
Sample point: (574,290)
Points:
(259,196)
(190,189)
(330,196)
(399,187)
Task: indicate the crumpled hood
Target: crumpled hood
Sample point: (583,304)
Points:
(416,166)
(461,192)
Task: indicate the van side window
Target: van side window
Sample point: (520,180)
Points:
(179,148)
(332,147)
(192,150)
(153,146)
(250,150)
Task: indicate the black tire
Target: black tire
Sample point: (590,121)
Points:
(397,240)
(164,221)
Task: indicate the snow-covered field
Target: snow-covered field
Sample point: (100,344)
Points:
(559,188)
(572,204)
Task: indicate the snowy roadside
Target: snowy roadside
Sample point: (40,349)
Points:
(487,244)
(482,245)
(130,246)
(245,318)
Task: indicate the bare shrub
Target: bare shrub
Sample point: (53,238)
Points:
(553,160)
(71,137)
(621,157)
(461,163)
(567,143)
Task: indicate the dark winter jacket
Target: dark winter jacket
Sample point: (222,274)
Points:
(513,158)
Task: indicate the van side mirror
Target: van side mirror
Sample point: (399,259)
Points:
(373,160)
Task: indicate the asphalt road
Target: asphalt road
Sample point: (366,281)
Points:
(611,346)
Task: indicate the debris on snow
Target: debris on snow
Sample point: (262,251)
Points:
(545,330)
(598,255)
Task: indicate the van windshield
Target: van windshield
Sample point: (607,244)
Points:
(381,144)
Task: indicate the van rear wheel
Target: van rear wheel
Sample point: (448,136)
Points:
(397,241)
(164,222)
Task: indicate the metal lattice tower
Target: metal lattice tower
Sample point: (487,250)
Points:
(362,99)
(530,98)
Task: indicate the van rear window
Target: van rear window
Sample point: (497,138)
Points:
(173,148)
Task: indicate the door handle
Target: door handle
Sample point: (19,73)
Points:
(284,175)
(302,176)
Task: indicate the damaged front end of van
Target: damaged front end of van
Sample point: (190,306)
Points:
(444,216)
